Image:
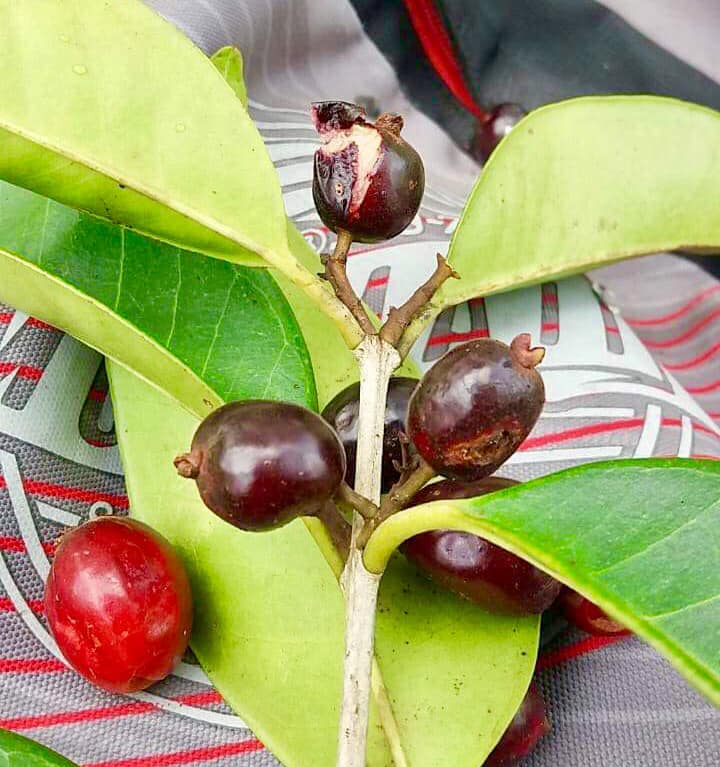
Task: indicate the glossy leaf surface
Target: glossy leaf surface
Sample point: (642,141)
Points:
(110,109)
(126,118)
(640,538)
(269,620)
(585,182)
(17,751)
(204,330)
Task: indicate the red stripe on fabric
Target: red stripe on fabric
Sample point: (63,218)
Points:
(436,43)
(30,666)
(23,371)
(546,327)
(378,282)
(185,757)
(16,545)
(106,712)
(6,318)
(71,493)
(7,606)
(640,322)
(575,650)
(704,389)
(601,428)
(450,338)
(34,322)
(686,335)
(694,361)
(97,395)
(549,298)
(612,329)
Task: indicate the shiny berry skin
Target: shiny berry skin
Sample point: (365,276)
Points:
(342,414)
(529,724)
(490,132)
(259,464)
(475,406)
(118,603)
(587,616)
(367,180)
(474,568)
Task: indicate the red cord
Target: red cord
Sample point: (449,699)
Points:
(436,43)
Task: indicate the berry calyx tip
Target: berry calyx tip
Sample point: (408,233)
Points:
(188,465)
(526,355)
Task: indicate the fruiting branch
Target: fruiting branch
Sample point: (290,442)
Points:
(399,317)
(367,509)
(402,493)
(336,275)
(377,361)
(337,526)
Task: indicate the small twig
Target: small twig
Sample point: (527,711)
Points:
(399,317)
(365,508)
(336,275)
(401,493)
(404,489)
(337,526)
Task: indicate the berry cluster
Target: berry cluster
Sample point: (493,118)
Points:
(118,600)
(261,464)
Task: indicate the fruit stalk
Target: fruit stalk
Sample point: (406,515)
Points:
(377,361)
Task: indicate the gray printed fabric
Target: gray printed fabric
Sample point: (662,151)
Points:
(632,369)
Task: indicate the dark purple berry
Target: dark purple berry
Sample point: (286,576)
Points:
(342,414)
(491,131)
(258,464)
(368,181)
(473,567)
(476,405)
(522,735)
(587,616)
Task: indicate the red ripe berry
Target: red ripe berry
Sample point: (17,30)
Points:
(342,414)
(525,730)
(259,464)
(473,567)
(491,131)
(476,405)
(587,616)
(118,603)
(367,181)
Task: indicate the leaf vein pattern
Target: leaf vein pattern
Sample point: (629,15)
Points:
(699,603)
(709,510)
(44,230)
(177,299)
(222,316)
(121,268)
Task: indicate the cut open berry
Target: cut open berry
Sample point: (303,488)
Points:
(368,181)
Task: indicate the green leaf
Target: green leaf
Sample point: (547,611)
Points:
(229,63)
(583,183)
(108,108)
(269,620)
(16,751)
(638,537)
(204,330)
